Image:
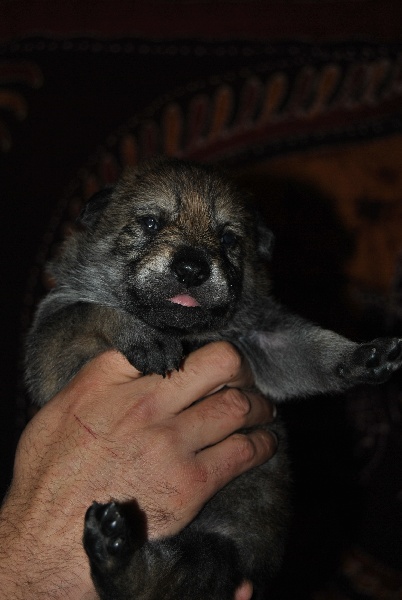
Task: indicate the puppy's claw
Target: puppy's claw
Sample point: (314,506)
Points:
(373,358)
(160,356)
(179,364)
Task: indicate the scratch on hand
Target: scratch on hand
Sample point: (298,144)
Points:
(90,431)
(94,435)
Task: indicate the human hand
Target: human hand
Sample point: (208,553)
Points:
(112,433)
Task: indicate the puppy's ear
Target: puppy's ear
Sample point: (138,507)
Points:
(265,240)
(94,207)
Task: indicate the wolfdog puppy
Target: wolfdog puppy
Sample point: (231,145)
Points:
(170,259)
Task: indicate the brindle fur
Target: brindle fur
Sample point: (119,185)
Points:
(113,285)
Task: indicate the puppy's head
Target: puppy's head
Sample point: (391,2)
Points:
(177,243)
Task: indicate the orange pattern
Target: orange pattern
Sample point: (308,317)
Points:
(365,183)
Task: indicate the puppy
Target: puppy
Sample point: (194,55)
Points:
(168,260)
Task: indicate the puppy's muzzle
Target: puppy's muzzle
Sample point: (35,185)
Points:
(190,267)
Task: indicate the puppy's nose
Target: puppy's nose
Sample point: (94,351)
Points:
(190,267)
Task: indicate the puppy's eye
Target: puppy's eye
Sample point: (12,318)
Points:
(150,224)
(228,239)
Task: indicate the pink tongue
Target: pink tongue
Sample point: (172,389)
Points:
(184,300)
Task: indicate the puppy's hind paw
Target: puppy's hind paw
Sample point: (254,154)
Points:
(106,535)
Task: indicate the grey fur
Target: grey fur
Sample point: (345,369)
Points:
(170,229)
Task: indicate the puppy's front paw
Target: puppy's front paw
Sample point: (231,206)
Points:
(106,536)
(158,355)
(373,362)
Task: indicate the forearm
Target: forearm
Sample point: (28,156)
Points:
(39,559)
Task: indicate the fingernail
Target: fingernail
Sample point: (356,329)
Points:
(275,437)
(273,442)
(270,435)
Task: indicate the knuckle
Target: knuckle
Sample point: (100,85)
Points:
(245,447)
(236,402)
(166,441)
(142,412)
(230,360)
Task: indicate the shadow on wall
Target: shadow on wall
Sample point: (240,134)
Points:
(311,247)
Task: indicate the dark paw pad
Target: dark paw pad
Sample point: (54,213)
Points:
(375,361)
(105,534)
(158,356)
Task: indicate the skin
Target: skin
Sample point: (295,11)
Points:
(112,433)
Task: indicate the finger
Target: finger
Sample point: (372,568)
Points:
(235,455)
(205,370)
(244,591)
(218,416)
